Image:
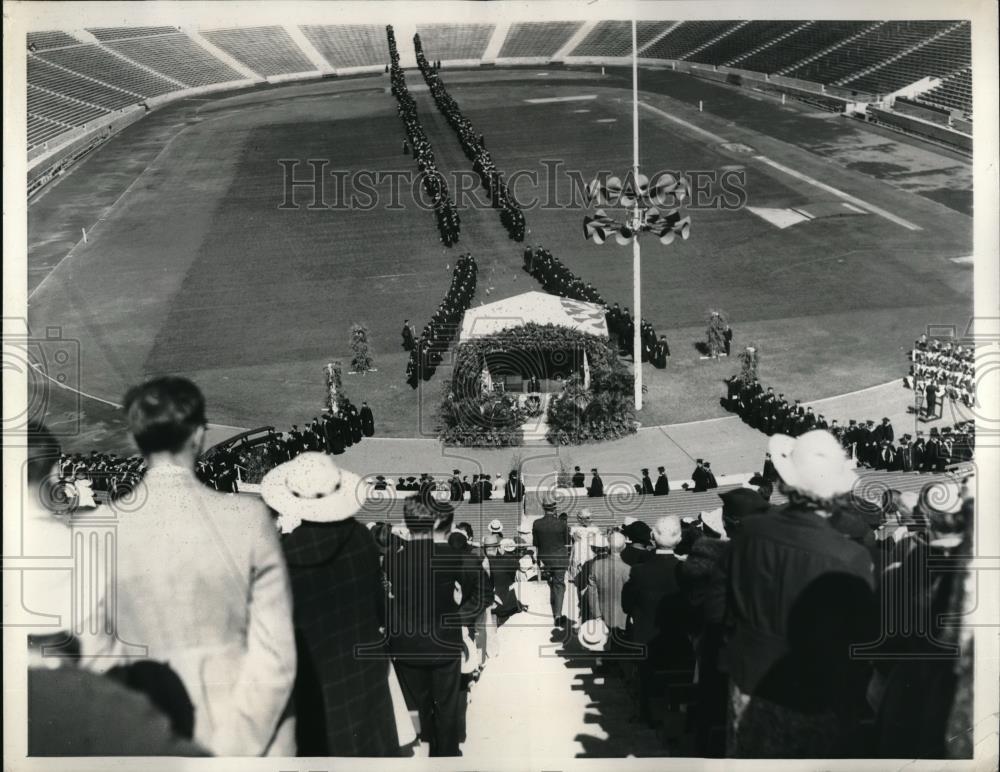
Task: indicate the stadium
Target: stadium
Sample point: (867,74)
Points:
(242,206)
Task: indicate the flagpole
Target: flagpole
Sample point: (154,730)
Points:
(636,258)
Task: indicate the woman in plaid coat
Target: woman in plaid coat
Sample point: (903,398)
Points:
(342,698)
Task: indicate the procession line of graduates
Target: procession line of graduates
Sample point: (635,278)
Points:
(474,145)
(427,350)
(871,445)
(448,221)
(557,279)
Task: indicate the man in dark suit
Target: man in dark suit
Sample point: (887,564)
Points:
(550,536)
(662,487)
(425,621)
(596,488)
(710,476)
(367,420)
(653,599)
(769,473)
(579,480)
(647,484)
(407,333)
(455,486)
(698,476)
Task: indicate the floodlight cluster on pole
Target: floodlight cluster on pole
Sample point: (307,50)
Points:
(647,207)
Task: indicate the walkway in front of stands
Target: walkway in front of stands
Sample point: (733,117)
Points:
(540,702)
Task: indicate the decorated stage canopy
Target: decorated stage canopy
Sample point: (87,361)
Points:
(537,308)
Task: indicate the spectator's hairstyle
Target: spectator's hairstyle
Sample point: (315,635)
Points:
(380,533)
(422,514)
(163,687)
(465,528)
(765,489)
(43,452)
(163,413)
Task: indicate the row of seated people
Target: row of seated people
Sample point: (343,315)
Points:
(458,487)
(427,350)
(872,445)
(947,369)
(449,224)
(249,460)
(557,279)
(474,145)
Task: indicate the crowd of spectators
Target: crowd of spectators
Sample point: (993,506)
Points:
(732,629)
(874,446)
(941,370)
(474,145)
(449,224)
(557,279)
(427,350)
(105,474)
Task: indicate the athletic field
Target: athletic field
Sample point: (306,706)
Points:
(192,267)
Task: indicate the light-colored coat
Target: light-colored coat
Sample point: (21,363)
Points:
(605,582)
(202,584)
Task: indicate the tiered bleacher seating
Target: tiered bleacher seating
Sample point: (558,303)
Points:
(39,41)
(537,38)
(954,93)
(455,41)
(120,33)
(943,56)
(52,78)
(94,61)
(800,45)
(746,38)
(349,45)
(59,108)
(41,130)
(879,44)
(614,38)
(681,41)
(178,57)
(266,50)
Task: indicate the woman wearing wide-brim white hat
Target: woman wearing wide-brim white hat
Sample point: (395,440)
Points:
(311,487)
(593,635)
(333,562)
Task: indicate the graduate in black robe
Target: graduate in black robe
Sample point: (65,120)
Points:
(367,420)
(334,435)
(662,487)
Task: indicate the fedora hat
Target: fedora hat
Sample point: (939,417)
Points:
(593,635)
(311,487)
(813,463)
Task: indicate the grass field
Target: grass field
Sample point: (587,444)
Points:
(196,270)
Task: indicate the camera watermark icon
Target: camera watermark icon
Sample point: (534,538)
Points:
(49,362)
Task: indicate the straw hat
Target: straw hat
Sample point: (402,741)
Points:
(496,526)
(813,463)
(593,635)
(311,487)
(508,545)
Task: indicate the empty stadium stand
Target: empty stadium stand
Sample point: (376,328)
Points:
(176,56)
(265,50)
(348,45)
(97,62)
(887,40)
(118,33)
(948,53)
(39,41)
(687,37)
(742,39)
(614,38)
(954,93)
(455,41)
(63,110)
(41,130)
(537,38)
(807,41)
(70,84)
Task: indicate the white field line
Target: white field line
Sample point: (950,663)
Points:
(550,100)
